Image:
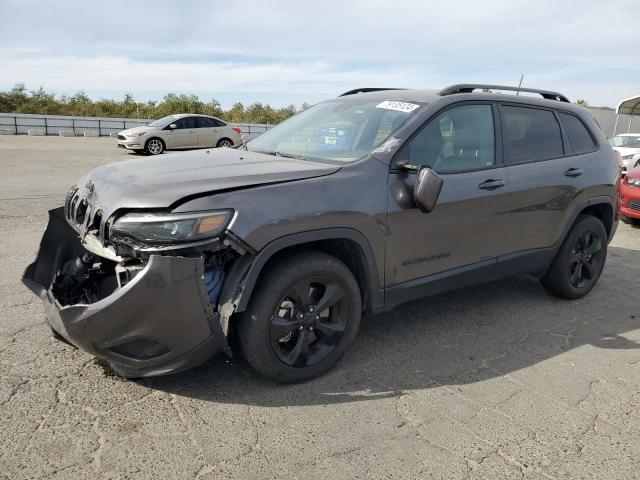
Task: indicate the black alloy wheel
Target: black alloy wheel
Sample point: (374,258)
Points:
(301,318)
(308,322)
(579,261)
(585,259)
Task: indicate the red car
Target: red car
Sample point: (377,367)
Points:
(630,197)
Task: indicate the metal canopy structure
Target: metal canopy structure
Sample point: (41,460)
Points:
(631,107)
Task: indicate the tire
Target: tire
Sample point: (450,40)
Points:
(580,260)
(286,344)
(154,146)
(224,143)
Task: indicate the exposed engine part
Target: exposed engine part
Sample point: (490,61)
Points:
(125,273)
(83,280)
(213,278)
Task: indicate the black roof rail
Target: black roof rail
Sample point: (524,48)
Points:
(470,87)
(366,90)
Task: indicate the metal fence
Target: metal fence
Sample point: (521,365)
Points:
(21,123)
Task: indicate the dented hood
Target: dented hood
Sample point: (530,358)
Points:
(161,181)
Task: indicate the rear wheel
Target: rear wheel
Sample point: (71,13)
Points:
(224,143)
(154,146)
(580,260)
(302,317)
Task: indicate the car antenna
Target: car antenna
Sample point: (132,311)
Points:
(520,84)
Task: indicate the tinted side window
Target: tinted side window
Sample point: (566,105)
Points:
(461,138)
(579,137)
(187,122)
(530,134)
(204,122)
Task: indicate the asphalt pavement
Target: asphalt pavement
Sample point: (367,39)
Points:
(496,381)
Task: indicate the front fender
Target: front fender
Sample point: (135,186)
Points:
(243,276)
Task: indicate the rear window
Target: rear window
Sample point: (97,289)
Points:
(530,134)
(579,137)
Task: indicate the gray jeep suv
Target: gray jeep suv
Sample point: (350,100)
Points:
(358,204)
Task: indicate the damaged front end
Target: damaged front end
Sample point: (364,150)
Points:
(146,308)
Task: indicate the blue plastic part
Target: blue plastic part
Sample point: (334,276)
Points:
(213,278)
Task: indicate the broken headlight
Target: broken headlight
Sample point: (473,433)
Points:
(170,228)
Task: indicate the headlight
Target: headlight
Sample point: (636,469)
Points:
(139,134)
(628,157)
(170,228)
(633,181)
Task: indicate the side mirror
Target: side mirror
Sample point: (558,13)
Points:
(427,189)
(173,126)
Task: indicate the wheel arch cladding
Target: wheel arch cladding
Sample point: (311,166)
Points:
(347,245)
(603,211)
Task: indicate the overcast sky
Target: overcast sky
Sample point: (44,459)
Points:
(284,52)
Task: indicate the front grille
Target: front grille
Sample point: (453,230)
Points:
(634,205)
(77,208)
(80,213)
(121,137)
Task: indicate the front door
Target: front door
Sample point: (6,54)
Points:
(462,233)
(184,135)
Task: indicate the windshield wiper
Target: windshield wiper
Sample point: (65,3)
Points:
(282,154)
(290,155)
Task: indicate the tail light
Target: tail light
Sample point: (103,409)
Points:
(238,131)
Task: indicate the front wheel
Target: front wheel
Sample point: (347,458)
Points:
(580,260)
(154,146)
(302,317)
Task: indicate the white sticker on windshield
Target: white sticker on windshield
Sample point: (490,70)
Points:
(399,106)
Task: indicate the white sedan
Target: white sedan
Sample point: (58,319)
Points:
(628,145)
(184,131)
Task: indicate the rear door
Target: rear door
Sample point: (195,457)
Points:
(462,145)
(208,131)
(185,135)
(547,178)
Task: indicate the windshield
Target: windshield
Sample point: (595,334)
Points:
(629,141)
(164,121)
(341,130)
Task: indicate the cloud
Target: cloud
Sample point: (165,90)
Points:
(290,51)
(299,81)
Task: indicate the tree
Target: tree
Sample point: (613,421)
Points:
(20,100)
(582,103)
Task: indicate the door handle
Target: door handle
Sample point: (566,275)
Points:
(491,184)
(574,172)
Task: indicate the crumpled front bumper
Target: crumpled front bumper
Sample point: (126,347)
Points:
(160,322)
